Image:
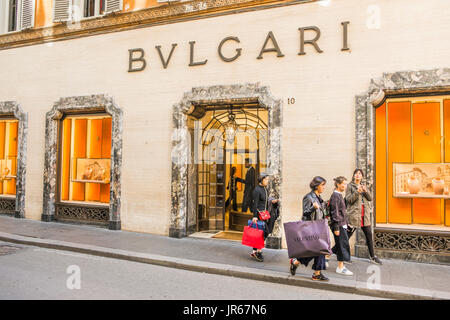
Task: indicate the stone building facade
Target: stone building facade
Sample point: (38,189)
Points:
(125,85)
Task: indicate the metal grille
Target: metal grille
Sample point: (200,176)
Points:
(82,214)
(412,242)
(7,206)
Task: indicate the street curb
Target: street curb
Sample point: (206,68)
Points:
(226,270)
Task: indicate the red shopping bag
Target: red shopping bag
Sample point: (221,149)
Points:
(253,237)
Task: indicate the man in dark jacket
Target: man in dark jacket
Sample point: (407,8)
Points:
(232,186)
(249,185)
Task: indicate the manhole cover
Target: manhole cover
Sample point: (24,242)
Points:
(5,249)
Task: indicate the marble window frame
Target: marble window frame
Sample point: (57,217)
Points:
(403,83)
(82,105)
(12,108)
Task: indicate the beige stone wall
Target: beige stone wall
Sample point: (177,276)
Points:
(318,130)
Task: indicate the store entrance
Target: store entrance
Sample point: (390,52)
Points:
(230,150)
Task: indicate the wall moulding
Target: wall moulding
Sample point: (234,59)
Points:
(163,14)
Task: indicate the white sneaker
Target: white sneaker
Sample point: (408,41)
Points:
(344,271)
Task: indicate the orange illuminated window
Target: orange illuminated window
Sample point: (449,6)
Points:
(412,131)
(85,159)
(8,157)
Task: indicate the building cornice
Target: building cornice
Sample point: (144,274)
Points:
(165,14)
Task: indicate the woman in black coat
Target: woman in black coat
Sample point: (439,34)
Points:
(313,209)
(261,200)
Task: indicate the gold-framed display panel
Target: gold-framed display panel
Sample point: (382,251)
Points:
(421,180)
(90,170)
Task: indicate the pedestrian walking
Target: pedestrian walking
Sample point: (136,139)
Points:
(339,225)
(313,209)
(261,204)
(359,210)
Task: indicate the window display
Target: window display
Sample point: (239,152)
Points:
(8,156)
(91,170)
(413,161)
(422,180)
(85,159)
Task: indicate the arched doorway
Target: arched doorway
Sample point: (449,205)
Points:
(230,150)
(184,178)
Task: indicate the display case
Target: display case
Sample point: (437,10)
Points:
(91,170)
(421,180)
(8,157)
(85,159)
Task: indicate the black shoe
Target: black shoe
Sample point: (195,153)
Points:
(293,267)
(375,260)
(320,277)
(259,256)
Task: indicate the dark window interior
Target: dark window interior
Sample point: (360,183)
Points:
(12,19)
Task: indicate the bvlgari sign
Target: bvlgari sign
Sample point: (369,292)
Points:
(137,60)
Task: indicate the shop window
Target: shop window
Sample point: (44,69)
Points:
(85,159)
(8,157)
(412,151)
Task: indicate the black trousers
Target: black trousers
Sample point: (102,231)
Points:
(319,262)
(341,247)
(233,199)
(369,239)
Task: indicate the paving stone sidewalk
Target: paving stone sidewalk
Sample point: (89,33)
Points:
(397,279)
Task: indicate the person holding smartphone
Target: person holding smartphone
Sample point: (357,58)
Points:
(358,200)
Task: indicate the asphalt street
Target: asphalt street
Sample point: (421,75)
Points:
(28,272)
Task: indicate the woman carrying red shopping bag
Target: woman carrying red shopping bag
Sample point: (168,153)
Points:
(260,210)
(313,209)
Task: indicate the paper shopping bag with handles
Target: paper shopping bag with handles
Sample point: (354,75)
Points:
(253,237)
(307,238)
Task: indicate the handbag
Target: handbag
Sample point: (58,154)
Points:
(264,215)
(307,238)
(253,237)
(350,231)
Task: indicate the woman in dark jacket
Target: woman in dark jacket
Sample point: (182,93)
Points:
(261,200)
(359,211)
(339,225)
(313,209)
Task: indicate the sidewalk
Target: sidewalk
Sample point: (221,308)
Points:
(398,279)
